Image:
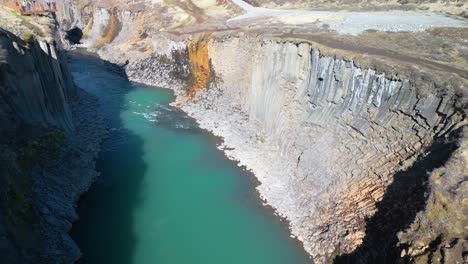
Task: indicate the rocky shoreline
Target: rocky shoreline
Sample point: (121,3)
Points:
(325,121)
(275,157)
(247,140)
(60,186)
(51,136)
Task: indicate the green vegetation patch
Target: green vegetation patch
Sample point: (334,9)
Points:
(27,36)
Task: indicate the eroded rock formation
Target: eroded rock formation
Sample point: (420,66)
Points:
(358,141)
(324,136)
(329,140)
(50,138)
(36,82)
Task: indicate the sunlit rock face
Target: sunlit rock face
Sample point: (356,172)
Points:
(324,136)
(339,145)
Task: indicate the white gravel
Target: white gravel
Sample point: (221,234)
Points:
(343,22)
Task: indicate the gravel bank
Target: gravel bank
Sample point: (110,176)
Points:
(352,23)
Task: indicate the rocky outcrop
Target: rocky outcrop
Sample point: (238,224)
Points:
(350,151)
(338,148)
(325,137)
(36,83)
(50,139)
(438,233)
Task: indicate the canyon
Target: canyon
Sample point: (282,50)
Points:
(354,122)
(50,138)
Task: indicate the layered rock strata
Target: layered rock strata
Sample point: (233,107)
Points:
(324,136)
(344,148)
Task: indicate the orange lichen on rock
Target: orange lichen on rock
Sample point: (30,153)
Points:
(88,27)
(112,31)
(200,65)
(12,6)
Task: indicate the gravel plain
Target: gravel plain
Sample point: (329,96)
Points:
(343,22)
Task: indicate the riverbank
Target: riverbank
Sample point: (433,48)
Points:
(166,194)
(270,113)
(51,135)
(68,177)
(329,119)
(325,147)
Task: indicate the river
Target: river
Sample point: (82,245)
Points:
(166,193)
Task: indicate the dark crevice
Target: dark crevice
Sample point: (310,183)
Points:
(404,198)
(74,35)
(433,246)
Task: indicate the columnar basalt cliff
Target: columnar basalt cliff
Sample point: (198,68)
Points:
(330,140)
(325,137)
(37,82)
(50,138)
(360,142)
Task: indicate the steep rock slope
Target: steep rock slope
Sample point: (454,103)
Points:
(36,82)
(355,139)
(50,137)
(138,21)
(324,136)
(339,149)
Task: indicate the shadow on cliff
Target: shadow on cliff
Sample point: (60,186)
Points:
(404,198)
(104,231)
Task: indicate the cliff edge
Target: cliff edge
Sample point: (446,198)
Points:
(50,139)
(354,122)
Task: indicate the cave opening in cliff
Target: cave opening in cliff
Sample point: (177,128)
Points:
(74,35)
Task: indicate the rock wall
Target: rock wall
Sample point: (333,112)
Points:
(50,139)
(438,233)
(337,147)
(348,151)
(324,136)
(36,82)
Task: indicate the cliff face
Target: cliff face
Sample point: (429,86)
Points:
(36,83)
(357,141)
(347,154)
(50,137)
(139,21)
(328,140)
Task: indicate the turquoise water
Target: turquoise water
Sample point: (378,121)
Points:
(166,194)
